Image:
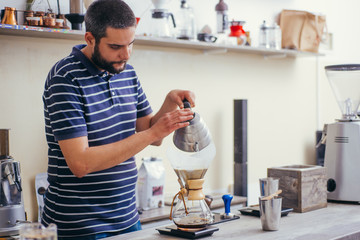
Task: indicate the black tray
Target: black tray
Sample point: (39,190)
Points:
(254,211)
(219,219)
(173,231)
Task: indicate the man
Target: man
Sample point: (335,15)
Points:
(97,118)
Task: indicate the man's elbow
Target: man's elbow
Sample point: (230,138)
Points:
(78,168)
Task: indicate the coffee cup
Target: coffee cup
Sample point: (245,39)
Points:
(270,213)
(206,37)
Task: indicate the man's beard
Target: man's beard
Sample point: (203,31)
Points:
(99,61)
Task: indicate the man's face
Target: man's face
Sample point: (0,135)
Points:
(114,50)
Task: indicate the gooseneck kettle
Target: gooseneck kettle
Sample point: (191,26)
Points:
(194,137)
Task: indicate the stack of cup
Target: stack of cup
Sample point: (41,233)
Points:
(270,207)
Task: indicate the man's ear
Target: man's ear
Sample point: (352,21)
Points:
(90,39)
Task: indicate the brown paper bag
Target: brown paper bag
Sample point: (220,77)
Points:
(301,30)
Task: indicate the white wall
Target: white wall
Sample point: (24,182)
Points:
(288,99)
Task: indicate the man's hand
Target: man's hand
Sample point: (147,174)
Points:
(171,121)
(178,96)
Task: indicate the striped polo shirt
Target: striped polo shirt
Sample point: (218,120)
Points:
(80,100)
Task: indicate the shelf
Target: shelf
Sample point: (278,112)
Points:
(206,48)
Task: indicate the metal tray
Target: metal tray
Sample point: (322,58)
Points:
(255,211)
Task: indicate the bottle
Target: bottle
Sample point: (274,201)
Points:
(185,20)
(222,21)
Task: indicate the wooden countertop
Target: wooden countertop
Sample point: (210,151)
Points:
(337,221)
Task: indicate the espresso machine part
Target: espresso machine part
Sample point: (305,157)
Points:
(12,213)
(76,15)
(342,151)
(4,143)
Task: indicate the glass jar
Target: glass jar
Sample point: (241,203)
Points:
(185,22)
(275,37)
(264,35)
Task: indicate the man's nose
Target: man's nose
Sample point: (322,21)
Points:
(125,53)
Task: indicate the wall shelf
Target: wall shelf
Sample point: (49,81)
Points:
(206,48)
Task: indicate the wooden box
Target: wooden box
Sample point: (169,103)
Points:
(304,187)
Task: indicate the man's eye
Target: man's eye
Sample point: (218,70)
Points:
(115,47)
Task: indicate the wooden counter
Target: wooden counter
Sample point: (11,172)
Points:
(337,221)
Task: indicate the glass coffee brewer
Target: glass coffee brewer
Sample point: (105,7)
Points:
(190,157)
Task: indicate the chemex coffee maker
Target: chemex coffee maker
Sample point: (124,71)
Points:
(342,153)
(12,213)
(190,156)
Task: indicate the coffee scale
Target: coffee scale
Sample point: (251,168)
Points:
(342,153)
(190,156)
(12,213)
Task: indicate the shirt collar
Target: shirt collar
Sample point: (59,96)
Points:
(76,51)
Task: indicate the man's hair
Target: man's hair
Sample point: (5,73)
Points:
(102,14)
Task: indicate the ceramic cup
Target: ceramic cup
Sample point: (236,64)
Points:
(205,37)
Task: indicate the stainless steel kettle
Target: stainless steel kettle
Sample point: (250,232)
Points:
(194,137)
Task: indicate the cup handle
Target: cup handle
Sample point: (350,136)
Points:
(213,39)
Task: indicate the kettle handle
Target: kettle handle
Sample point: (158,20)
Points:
(186,103)
(173,19)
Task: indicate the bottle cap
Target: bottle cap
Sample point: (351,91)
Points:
(221,6)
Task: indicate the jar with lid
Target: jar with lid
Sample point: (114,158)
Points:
(28,13)
(41,15)
(185,22)
(264,35)
(49,21)
(33,21)
(275,37)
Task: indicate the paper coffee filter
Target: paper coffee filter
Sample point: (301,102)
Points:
(191,161)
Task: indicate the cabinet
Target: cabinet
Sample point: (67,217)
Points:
(207,48)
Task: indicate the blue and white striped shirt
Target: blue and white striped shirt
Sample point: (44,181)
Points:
(80,100)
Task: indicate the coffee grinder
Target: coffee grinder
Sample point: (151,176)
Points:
(76,15)
(190,156)
(342,153)
(12,213)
